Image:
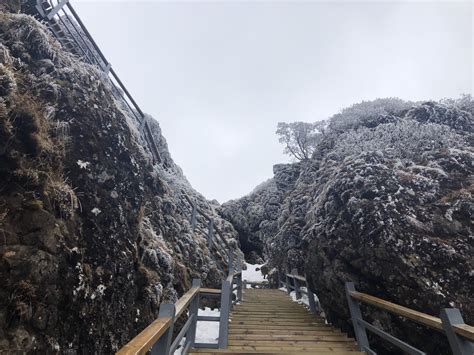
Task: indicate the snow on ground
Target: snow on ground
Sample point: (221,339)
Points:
(304,298)
(206,332)
(251,274)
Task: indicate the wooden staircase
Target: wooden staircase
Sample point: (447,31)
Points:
(269,322)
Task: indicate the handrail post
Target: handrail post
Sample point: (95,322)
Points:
(239,287)
(194,217)
(296,283)
(459,345)
(356,314)
(210,233)
(193,311)
(310,294)
(224,314)
(239,262)
(162,346)
(281,282)
(288,288)
(230,261)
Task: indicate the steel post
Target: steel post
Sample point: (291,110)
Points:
(459,345)
(162,346)
(354,309)
(193,310)
(224,314)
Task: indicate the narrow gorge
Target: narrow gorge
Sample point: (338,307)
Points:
(96,233)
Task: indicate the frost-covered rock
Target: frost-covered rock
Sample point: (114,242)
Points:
(254,216)
(386,202)
(93,235)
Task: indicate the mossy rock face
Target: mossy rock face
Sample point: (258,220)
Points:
(93,235)
(14,6)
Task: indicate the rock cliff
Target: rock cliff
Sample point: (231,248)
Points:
(386,202)
(94,236)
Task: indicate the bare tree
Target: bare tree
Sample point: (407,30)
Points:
(300,138)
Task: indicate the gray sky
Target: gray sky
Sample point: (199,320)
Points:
(218,76)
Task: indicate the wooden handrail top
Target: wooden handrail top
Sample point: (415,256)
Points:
(298,277)
(464,330)
(147,337)
(210,291)
(185,300)
(256,282)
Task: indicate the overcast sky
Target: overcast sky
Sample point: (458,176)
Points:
(219,76)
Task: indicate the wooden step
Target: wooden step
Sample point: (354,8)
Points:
(269,322)
(292,337)
(296,327)
(288,322)
(318,331)
(271,352)
(316,341)
(291,349)
(238,315)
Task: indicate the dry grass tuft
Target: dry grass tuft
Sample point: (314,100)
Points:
(61,196)
(22,298)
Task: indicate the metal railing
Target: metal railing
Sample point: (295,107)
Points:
(215,237)
(66,25)
(299,284)
(158,336)
(451,323)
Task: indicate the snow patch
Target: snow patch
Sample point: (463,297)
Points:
(252,274)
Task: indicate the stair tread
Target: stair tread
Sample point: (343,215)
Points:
(269,322)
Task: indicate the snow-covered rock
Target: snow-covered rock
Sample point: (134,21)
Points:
(386,202)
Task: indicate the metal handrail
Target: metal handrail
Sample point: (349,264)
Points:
(451,323)
(52,12)
(296,285)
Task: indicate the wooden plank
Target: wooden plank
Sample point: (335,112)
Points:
(298,349)
(147,337)
(287,342)
(274,315)
(289,318)
(348,344)
(281,322)
(298,277)
(210,291)
(185,300)
(467,331)
(320,331)
(271,352)
(422,318)
(299,326)
(303,319)
(292,337)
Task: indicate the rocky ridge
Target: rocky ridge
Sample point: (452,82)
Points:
(385,202)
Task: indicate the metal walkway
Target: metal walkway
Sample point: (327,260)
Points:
(269,322)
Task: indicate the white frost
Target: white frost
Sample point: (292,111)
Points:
(83,164)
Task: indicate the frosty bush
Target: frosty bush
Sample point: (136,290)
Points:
(368,114)
(404,139)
